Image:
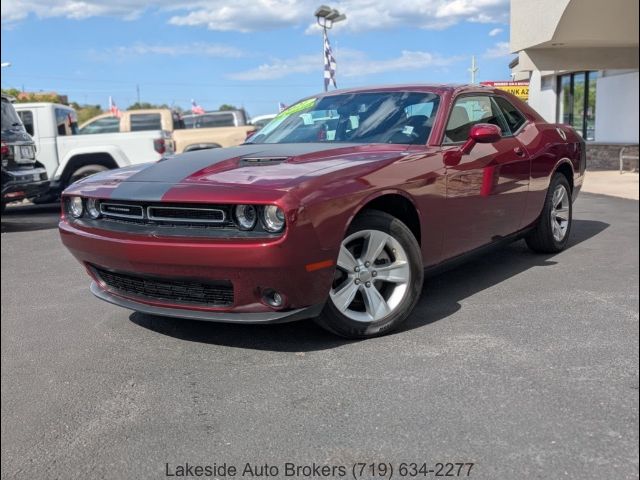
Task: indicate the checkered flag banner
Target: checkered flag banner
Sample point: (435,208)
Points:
(329,64)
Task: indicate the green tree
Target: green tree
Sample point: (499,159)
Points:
(146,105)
(226,106)
(86,112)
(26,97)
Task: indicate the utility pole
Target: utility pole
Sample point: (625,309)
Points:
(138,92)
(474,69)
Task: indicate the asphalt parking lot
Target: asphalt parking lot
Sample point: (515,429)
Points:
(525,365)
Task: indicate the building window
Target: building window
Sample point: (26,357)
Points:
(577,102)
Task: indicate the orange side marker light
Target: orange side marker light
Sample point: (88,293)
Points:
(312,267)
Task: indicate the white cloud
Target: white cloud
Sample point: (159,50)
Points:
(279,68)
(190,49)
(256,15)
(16,10)
(243,15)
(499,50)
(495,31)
(351,63)
(482,11)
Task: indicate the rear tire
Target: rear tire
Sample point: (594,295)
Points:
(553,227)
(378,279)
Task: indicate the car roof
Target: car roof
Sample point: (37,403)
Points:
(212,112)
(439,88)
(42,104)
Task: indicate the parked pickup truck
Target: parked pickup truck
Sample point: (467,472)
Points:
(185,139)
(22,175)
(68,156)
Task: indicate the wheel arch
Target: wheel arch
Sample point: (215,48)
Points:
(565,167)
(396,203)
(83,159)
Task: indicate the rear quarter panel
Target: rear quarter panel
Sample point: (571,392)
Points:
(548,150)
(125,148)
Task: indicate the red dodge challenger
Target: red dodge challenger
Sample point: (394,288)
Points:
(333,210)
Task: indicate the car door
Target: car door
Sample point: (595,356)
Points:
(486,189)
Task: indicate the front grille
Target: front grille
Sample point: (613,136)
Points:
(186,214)
(170,219)
(167,215)
(121,210)
(179,291)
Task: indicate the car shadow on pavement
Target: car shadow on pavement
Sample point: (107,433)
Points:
(441,297)
(28,217)
(443,292)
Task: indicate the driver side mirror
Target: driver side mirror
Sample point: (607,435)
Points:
(479,133)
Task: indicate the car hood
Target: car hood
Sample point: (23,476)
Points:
(260,166)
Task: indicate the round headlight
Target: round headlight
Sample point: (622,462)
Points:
(93,208)
(246,216)
(273,218)
(76,207)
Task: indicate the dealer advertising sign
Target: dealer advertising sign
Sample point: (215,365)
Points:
(519,89)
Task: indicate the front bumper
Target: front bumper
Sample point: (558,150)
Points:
(23,183)
(252,266)
(209,316)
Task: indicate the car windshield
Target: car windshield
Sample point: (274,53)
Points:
(10,119)
(370,117)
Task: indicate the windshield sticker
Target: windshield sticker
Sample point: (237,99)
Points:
(298,107)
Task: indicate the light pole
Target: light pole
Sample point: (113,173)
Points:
(326,17)
(474,69)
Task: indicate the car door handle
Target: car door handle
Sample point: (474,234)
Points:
(519,151)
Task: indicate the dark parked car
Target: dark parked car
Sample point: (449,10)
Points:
(22,176)
(332,211)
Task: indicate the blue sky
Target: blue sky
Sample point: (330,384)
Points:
(251,53)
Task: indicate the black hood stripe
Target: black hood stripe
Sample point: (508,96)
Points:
(140,191)
(153,182)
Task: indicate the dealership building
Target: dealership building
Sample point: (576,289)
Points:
(581,60)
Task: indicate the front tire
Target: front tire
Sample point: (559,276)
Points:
(378,278)
(552,230)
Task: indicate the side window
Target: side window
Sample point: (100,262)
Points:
(145,121)
(27,120)
(217,120)
(511,114)
(66,121)
(468,111)
(178,123)
(417,126)
(102,125)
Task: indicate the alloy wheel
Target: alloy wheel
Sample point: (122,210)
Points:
(560,212)
(372,276)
